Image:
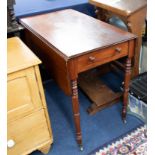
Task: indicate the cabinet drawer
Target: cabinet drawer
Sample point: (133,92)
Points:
(27,134)
(23,94)
(99,57)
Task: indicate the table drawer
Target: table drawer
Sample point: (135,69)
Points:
(99,57)
(27,134)
(22,94)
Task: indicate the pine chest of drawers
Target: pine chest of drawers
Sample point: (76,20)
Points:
(28,122)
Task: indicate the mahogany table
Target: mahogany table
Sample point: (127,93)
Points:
(131,12)
(69,42)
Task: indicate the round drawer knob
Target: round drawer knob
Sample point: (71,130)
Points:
(91,58)
(10,143)
(118,49)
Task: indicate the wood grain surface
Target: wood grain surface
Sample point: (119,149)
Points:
(19,56)
(73,33)
(69,42)
(121,7)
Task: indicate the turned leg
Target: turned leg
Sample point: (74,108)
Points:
(75,105)
(45,149)
(126,88)
(102,14)
(133,29)
(11,16)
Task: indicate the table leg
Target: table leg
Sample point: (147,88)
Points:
(76,113)
(135,24)
(126,88)
(102,14)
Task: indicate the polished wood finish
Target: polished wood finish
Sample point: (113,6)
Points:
(69,42)
(127,78)
(76,113)
(56,68)
(28,121)
(126,87)
(132,13)
(65,31)
(102,56)
(121,7)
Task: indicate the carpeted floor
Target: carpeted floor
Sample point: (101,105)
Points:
(24,8)
(132,143)
(96,130)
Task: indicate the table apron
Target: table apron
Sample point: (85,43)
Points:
(103,56)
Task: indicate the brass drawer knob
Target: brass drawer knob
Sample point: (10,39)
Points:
(91,58)
(118,49)
(10,143)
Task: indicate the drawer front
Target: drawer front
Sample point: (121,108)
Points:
(23,94)
(27,134)
(99,57)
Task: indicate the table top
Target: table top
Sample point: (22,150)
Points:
(122,7)
(19,56)
(72,33)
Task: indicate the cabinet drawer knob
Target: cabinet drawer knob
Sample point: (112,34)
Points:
(118,49)
(10,143)
(91,58)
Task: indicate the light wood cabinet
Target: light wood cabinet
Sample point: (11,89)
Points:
(28,122)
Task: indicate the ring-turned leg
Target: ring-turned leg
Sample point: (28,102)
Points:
(102,14)
(76,113)
(126,88)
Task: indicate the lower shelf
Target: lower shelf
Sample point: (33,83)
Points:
(100,94)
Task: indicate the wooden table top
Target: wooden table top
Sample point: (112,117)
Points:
(72,33)
(19,56)
(122,7)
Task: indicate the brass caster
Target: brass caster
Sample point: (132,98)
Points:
(81,148)
(124,121)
